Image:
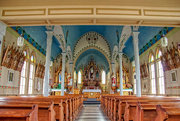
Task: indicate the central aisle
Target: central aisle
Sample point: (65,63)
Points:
(92,113)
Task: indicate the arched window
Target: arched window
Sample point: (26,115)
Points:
(160,72)
(23,75)
(103,77)
(31,74)
(79,77)
(152,74)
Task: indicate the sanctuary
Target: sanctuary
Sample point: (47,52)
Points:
(120,55)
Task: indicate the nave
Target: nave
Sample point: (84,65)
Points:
(92,112)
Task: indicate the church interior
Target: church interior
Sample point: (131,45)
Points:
(86,60)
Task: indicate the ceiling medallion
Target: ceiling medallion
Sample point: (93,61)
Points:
(92,37)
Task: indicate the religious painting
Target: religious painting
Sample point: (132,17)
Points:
(10,76)
(173,76)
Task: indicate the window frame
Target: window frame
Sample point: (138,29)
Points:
(152,79)
(103,72)
(31,79)
(80,77)
(161,85)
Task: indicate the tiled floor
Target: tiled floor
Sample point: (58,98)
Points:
(92,113)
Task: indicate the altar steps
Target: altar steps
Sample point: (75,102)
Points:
(90,101)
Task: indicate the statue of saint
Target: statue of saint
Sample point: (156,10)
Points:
(113,79)
(91,70)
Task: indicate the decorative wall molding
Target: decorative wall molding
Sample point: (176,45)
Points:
(90,15)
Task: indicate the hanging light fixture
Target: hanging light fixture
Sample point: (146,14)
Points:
(164,41)
(20,40)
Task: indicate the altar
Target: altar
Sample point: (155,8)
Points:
(126,91)
(57,92)
(91,93)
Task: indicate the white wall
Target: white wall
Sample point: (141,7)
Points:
(9,87)
(172,88)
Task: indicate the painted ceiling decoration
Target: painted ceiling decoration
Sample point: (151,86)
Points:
(36,36)
(114,54)
(97,56)
(152,41)
(80,38)
(26,36)
(126,33)
(58,32)
(92,40)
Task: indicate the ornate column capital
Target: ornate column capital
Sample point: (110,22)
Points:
(49,37)
(63,53)
(135,37)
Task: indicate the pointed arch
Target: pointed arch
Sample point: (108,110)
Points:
(69,53)
(114,53)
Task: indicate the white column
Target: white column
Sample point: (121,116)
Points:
(2,33)
(70,70)
(120,73)
(137,66)
(63,72)
(48,61)
(113,73)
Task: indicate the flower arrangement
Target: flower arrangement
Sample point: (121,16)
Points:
(129,86)
(54,86)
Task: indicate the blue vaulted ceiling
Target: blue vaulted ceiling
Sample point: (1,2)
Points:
(38,34)
(98,57)
(75,32)
(111,33)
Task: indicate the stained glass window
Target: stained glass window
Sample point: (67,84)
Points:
(152,74)
(103,77)
(25,53)
(151,58)
(158,54)
(79,77)
(32,58)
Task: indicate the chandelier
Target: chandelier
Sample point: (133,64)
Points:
(20,40)
(164,41)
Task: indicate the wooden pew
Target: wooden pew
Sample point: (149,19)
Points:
(45,109)
(147,112)
(167,113)
(122,102)
(131,107)
(19,114)
(60,104)
(119,102)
